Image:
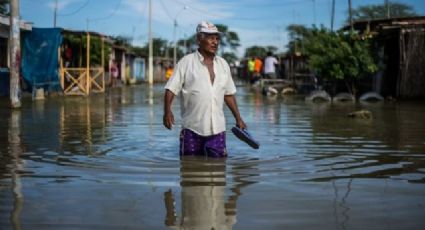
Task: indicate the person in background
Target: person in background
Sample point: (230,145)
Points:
(67,55)
(113,73)
(251,64)
(204,81)
(127,73)
(169,72)
(258,66)
(270,66)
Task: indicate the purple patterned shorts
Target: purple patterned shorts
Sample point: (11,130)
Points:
(193,144)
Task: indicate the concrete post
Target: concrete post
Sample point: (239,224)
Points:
(15,55)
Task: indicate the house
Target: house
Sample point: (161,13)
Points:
(4,51)
(401,42)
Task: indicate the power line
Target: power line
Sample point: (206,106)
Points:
(77,10)
(166,10)
(110,15)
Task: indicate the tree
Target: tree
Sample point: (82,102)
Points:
(4,7)
(259,51)
(121,40)
(339,56)
(230,57)
(370,12)
(189,44)
(297,34)
(228,38)
(79,48)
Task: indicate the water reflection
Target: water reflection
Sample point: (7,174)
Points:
(203,194)
(16,166)
(316,168)
(203,204)
(82,124)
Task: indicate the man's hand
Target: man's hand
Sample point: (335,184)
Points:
(240,123)
(168,120)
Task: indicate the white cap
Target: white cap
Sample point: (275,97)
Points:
(207,27)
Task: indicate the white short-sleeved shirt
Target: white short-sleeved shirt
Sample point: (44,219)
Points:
(201,101)
(269,64)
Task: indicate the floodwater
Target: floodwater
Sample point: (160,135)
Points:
(106,162)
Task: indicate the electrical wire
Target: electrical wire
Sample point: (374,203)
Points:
(110,15)
(166,10)
(77,10)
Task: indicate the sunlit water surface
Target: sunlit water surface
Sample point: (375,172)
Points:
(106,162)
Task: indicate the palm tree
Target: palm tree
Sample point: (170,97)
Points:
(228,38)
(370,12)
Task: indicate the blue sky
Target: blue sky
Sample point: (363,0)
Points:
(257,22)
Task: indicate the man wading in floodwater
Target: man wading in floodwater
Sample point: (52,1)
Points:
(204,81)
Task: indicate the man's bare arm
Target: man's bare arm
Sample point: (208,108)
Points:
(168,118)
(233,106)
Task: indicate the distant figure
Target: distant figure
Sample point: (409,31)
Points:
(113,72)
(205,83)
(127,73)
(251,64)
(270,66)
(169,72)
(67,55)
(258,66)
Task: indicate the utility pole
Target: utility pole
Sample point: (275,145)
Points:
(175,44)
(185,45)
(150,58)
(15,55)
(174,36)
(333,15)
(387,4)
(350,15)
(314,11)
(55,13)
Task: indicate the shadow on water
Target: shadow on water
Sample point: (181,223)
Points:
(105,161)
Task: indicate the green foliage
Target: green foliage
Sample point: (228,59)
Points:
(230,57)
(259,51)
(339,56)
(297,34)
(78,45)
(4,7)
(377,11)
(161,48)
(139,51)
(228,38)
(190,42)
(124,41)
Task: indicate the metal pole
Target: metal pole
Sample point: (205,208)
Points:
(387,4)
(174,36)
(350,15)
(314,11)
(88,77)
(15,55)
(150,67)
(175,43)
(333,15)
(55,13)
(184,44)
